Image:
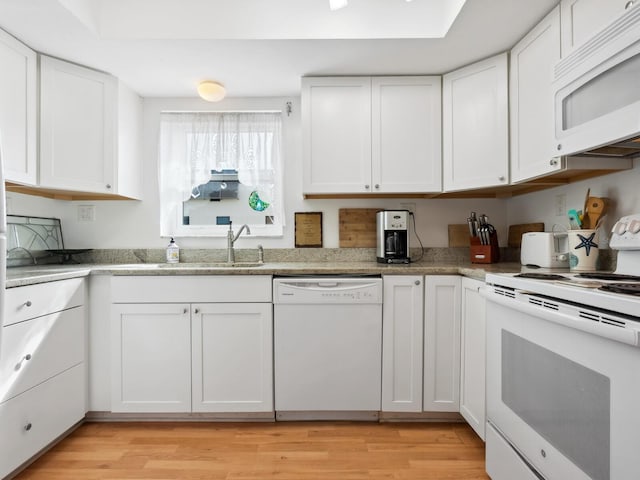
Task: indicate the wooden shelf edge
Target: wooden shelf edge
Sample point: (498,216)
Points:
(55,194)
(505,191)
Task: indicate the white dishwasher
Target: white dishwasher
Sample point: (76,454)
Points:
(327,347)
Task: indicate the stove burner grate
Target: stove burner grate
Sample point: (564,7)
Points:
(542,276)
(609,276)
(628,288)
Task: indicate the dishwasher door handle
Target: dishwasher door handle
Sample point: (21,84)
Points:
(327,284)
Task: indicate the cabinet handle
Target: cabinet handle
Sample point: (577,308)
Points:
(18,366)
(27,427)
(501,178)
(628,5)
(417,282)
(366,187)
(108,186)
(376,186)
(185,310)
(28,303)
(197,310)
(559,147)
(553,162)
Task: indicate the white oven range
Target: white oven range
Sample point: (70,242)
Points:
(563,372)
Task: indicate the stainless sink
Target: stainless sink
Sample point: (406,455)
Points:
(212,265)
(194,265)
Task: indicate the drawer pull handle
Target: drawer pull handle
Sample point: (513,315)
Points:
(27,427)
(197,310)
(18,366)
(28,303)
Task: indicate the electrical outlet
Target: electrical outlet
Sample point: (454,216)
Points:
(86,213)
(561,205)
(408,206)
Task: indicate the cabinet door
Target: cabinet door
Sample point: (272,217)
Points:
(232,357)
(402,327)
(150,358)
(34,419)
(582,19)
(475,126)
(406,133)
(336,135)
(442,343)
(472,369)
(18,110)
(532,135)
(77,127)
(38,349)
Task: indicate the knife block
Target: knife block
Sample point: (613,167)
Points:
(484,253)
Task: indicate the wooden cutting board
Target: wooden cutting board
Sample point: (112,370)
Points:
(358,227)
(516,231)
(458,235)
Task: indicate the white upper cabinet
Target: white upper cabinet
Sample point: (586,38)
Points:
(475,125)
(371,134)
(79,130)
(18,110)
(581,19)
(406,131)
(336,134)
(78,120)
(532,137)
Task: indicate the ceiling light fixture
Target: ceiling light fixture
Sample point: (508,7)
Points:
(337,4)
(211,91)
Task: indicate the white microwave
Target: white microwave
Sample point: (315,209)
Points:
(596,92)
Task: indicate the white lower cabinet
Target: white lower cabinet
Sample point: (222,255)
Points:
(32,420)
(421,343)
(42,370)
(472,372)
(232,357)
(402,327)
(151,358)
(442,343)
(195,356)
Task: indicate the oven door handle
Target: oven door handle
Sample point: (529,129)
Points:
(619,334)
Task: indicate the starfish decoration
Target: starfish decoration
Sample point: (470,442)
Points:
(587,243)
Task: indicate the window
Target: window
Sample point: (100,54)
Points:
(217,167)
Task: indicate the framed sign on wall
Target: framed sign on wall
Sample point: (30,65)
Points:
(308,229)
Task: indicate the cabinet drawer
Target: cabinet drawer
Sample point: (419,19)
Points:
(32,420)
(35,350)
(23,303)
(191,289)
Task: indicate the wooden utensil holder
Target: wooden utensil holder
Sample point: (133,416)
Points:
(484,253)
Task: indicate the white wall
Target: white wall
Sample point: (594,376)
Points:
(621,188)
(135,224)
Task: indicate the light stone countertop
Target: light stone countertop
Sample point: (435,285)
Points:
(21,276)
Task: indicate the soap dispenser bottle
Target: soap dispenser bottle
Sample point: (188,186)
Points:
(173,252)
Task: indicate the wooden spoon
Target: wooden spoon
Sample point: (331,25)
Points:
(596,210)
(585,218)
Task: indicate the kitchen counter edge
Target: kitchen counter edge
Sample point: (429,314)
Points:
(22,276)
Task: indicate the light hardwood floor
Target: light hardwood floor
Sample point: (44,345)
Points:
(253,451)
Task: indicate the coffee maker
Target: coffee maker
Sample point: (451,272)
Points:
(393,236)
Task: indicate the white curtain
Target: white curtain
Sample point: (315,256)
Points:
(192,144)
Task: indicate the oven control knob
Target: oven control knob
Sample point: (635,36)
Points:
(619,228)
(634,226)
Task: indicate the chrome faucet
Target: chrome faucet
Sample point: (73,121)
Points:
(231,239)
